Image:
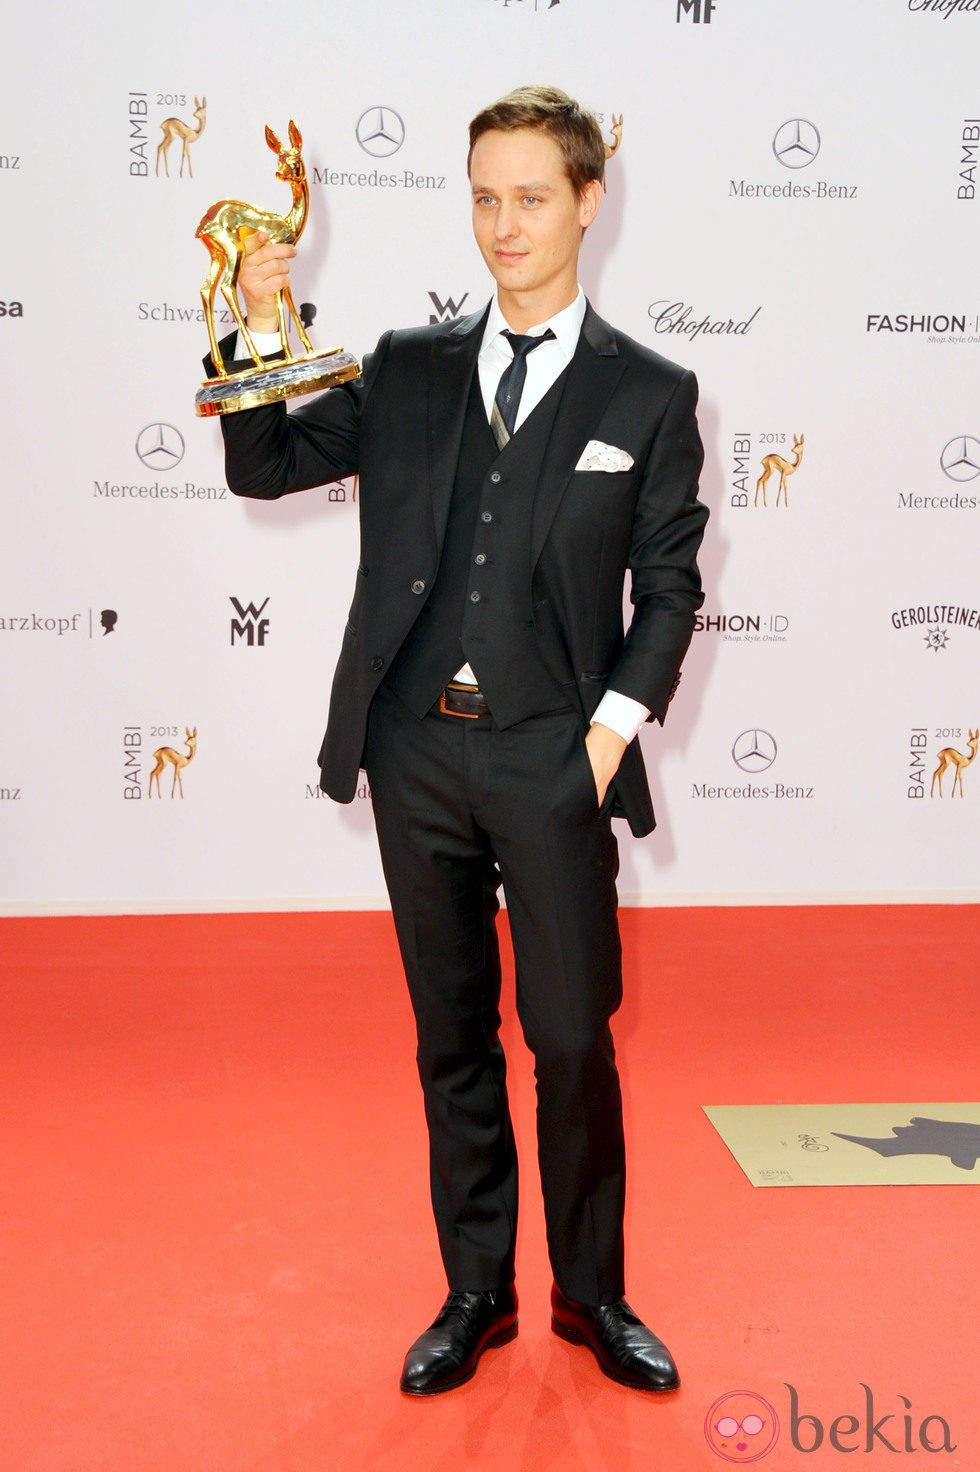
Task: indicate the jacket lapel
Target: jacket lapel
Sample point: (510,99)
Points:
(591,378)
(453,364)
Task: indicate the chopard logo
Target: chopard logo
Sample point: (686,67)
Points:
(945,8)
(679,318)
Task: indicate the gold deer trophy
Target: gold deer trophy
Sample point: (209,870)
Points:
(224,229)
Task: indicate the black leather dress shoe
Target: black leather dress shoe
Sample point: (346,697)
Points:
(625,1348)
(448,1353)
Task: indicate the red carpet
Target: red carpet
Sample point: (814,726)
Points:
(215,1233)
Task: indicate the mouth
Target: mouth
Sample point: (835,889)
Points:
(509,257)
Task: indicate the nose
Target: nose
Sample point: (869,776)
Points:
(505,227)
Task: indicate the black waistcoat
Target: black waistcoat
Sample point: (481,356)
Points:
(479,608)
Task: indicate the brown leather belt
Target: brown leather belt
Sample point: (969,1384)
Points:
(467,701)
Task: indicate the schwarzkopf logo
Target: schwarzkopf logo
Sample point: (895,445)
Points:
(160,446)
(961,457)
(380,131)
(796,143)
(445,311)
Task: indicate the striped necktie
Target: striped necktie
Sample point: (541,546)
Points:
(508,396)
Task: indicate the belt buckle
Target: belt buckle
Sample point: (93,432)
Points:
(462,715)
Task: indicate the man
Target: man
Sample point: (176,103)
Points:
(508,484)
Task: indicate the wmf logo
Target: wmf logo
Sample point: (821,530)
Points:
(445,311)
(743,1427)
(768,471)
(380,131)
(696,11)
(159,122)
(249,626)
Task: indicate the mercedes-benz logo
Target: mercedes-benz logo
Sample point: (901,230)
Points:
(961,458)
(380,131)
(160,446)
(796,143)
(754,751)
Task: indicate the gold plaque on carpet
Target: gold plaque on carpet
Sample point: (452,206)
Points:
(852,1144)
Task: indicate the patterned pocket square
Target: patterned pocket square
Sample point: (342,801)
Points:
(597,456)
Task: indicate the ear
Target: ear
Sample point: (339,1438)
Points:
(589,202)
(295,136)
(272,140)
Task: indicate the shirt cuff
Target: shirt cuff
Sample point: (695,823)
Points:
(267,343)
(621,714)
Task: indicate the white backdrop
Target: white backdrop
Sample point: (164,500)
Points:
(799,178)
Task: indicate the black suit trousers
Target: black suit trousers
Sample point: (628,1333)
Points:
(460,808)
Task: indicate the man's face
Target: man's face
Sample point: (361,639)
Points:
(527,218)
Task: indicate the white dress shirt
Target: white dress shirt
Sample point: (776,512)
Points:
(621,713)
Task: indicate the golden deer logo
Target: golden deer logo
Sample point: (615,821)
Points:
(950,757)
(175,128)
(224,229)
(177,759)
(785,468)
(617,136)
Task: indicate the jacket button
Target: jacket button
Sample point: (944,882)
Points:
(378,663)
(480,559)
(418,586)
(486,516)
(474,597)
(495,477)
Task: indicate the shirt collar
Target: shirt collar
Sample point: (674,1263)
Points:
(566,325)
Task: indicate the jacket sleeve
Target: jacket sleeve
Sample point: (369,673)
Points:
(271,453)
(668,525)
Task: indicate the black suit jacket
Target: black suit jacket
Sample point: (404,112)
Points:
(399,426)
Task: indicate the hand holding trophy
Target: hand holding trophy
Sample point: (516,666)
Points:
(224,229)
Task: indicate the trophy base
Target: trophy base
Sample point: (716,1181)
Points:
(252,387)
